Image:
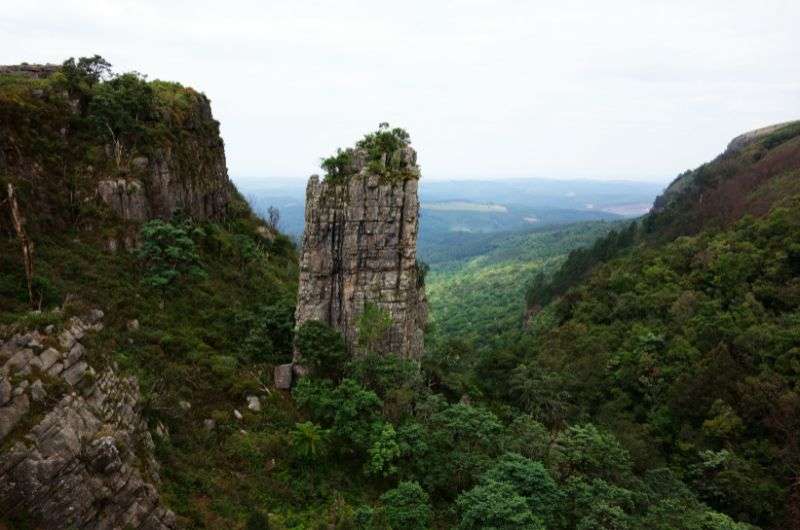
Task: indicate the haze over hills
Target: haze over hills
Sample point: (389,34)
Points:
(450,208)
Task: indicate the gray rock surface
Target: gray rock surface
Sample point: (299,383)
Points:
(283,376)
(35,71)
(359,247)
(76,452)
(253,403)
(159,186)
(747,138)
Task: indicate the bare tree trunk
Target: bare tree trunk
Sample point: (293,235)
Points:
(27,244)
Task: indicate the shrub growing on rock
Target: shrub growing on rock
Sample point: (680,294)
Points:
(322,348)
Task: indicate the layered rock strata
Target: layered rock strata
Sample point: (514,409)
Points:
(74,450)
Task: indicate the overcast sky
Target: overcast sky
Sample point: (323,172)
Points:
(487,88)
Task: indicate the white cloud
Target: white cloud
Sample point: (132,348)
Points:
(487,88)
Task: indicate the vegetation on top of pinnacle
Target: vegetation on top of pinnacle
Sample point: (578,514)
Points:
(384,152)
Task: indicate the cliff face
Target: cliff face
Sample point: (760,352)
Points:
(88,153)
(93,159)
(191,177)
(359,248)
(75,451)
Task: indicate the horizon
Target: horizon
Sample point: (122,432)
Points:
(488,90)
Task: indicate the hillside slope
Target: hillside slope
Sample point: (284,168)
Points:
(681,337)
(125,205)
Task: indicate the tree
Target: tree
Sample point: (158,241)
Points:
(321,348)
(88,70)
(348,409)
(273,217)
(168,254)
(384,452)
(495,506)
(406,507)
(309,441)
(585,450)
(372,325)
(530,480)
(462,442)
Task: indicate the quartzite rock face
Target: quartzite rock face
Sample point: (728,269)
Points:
(74,450)
(161,185)
(359,247)
(187,173)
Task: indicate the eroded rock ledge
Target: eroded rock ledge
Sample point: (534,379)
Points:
(74,450)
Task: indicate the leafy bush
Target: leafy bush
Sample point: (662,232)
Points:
(382,152)
(384,452)
(495,506)
(348,409)
(309,441)
(530,480)
(372,325)
(406,507)
(321,348)
(168,254)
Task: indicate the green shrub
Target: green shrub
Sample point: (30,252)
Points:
(495,506)
(407,507)
(321,348)
(309,441)
(371,326)
(168,254)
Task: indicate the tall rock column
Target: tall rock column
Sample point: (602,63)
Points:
(360,248)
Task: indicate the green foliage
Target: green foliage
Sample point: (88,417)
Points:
(481,297)
(580,261)
(685,350)
(348,409)
(407,507)
(81,75)
(383,153)
(257,521)
(168,254)
(384,452)
(269,332)
(338,168)
(123,110)
(530,480)
(495,506)
(462,440)
(371,326)
(782,135)
(322,348)
(585,450)
(309,441)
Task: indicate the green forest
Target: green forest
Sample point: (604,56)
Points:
(621,376)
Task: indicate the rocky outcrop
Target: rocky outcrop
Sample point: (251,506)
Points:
(33,71)
(743,140)
(360,248)
(191,178)
(175,162)
(74,450)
